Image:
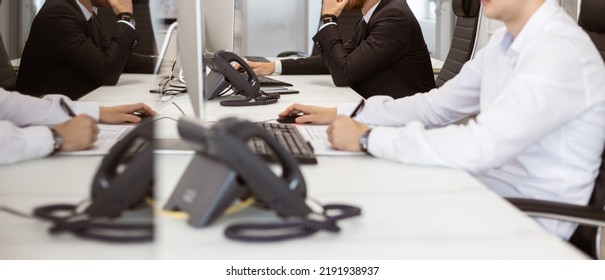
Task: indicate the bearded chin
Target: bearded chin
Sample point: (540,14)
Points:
(354,5)
(101,3)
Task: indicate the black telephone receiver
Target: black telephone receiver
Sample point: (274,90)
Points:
(125,176)
(225,169)
(223,74)
(122,182)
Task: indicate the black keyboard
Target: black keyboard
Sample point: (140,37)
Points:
(289,137)
(257,59)
(270,82)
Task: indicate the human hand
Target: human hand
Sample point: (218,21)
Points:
(124,113)
(344,134)
(334,7)
(121,6)
(78,133)
(262,68)
(312,114)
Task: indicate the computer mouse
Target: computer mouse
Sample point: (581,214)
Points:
(289,118)
(141,114)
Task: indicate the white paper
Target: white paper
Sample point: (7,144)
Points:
(107,137)
(317,136)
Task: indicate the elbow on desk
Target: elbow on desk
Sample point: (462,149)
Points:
(342,80)
(109,80)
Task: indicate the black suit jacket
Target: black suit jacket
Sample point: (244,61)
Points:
(65,54)
(386,56)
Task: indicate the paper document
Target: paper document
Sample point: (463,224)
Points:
(108,136)
(317,136)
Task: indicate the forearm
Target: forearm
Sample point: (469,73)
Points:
(45,111)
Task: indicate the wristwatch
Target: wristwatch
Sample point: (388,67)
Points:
(363,141)
(327,18)
(127,17)
(57,141)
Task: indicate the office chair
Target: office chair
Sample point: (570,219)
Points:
(464,39)
(346,25)
(8,77)
(591,20)
(591,218)
(142,14)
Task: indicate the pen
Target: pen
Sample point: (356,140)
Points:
(358,108)
(66,108)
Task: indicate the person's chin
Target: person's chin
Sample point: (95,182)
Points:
(487,12)
(101,3)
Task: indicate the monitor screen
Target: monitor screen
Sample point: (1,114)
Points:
(220,21)
(191,49)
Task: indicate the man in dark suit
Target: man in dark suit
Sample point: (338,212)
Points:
(67,53)
(387,54)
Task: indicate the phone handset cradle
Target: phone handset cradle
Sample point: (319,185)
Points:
(223,74)
(224,169)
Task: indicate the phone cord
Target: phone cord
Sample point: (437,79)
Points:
(303,228)
(266,98)
(89,229)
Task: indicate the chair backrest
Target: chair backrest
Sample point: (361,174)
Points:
(591,20)
(587,238)
(142,14)
(8,77)
(464,39)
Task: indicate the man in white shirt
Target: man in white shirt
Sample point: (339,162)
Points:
(31,127)
(538,88)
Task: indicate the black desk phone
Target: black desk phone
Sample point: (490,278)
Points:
(123,181)
(222,75)
(224,170)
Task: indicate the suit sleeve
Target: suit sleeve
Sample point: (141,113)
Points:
(387,42)
(71,46)
(313,65)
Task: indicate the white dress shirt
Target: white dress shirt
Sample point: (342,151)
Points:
(541,124)
(88,15)
(24,133)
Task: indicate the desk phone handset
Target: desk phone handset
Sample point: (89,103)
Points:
(223,74)
(123,182)
(224,170)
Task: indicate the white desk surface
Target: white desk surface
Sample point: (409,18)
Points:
(409,212)
(437,65)
(16,62)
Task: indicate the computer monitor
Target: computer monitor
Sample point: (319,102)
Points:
(220,23)
(190,19)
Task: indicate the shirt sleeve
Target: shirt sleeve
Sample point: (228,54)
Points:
(278,67)
(18,144)
(541,96)
(24,110)
(23,124)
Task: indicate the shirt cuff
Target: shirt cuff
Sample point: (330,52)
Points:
(39,141)
(406,144)
(278,67)
(324,25)
(129,24)
(380,141)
